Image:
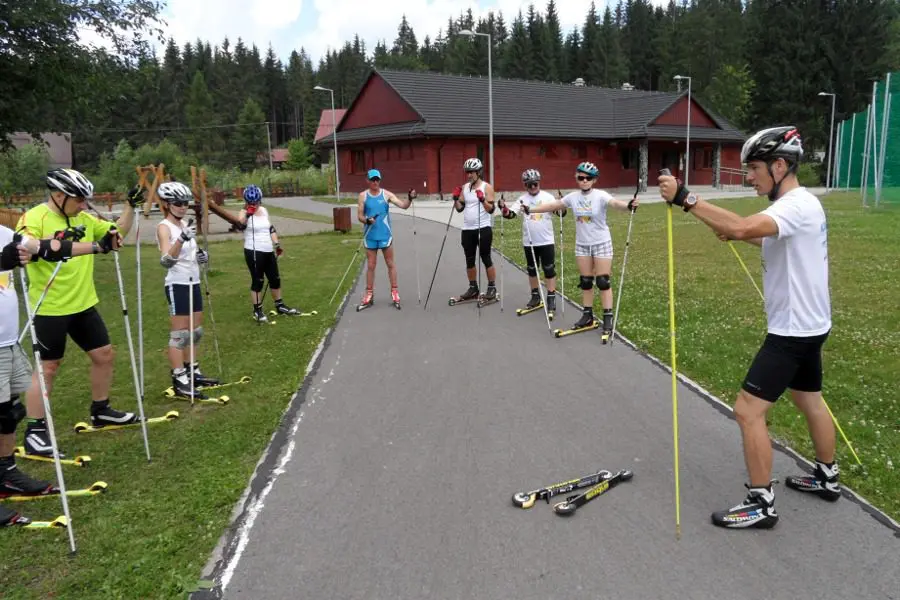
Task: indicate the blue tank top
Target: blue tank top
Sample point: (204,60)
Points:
(378,207)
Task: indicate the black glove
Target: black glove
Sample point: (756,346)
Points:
(9,256)
(135,197)
(412,195)
(525,209)
(370,220)
(106,242)
(202,257)
(631,205)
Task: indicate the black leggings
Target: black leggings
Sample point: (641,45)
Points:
(469,239)
(264,264)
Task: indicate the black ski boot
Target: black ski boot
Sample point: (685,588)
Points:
(37,439)
(102,414)
(490,295)
(14,482)
(535,300)
(181,383)
(8,518)
(282,309)
(551,303)
(757,511)
(607,324)
(586,320)
(200,380)
(467,296)
(258,314)
(823,482)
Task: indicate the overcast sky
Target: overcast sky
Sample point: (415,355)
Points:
(318,25)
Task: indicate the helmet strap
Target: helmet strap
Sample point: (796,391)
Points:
(776,187)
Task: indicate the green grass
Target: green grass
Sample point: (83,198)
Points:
(721,322)
(152,532)
(300,215)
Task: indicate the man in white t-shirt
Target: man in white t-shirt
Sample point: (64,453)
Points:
(792,232)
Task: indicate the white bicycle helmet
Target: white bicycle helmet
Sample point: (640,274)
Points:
(174,190)
(776,142)
(531,176)
(473,164)
(70,182)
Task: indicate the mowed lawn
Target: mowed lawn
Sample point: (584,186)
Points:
(151,533)
(720,321)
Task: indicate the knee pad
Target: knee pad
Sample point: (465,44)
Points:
(586,282)
(549,271)
(256,285)
(532,271)
(179,338)
(11,414)
(603,282)
(198,333)
(275,284)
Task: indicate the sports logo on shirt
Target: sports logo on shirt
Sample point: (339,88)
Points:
(583,210)
(6,281)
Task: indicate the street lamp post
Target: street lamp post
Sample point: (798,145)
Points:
(687,152)
(830,135)
(337,170)
(471,33)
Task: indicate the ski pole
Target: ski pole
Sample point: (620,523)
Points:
(562,256)
(212,317)
(440,253)
(612,337)
(502,259)
(140,302)
(191,320)
(40,301)
(47,415)
(534,261)
(134,372)
(828,408)
(671,265)
(415,245)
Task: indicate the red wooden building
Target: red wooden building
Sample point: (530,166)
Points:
(418,128)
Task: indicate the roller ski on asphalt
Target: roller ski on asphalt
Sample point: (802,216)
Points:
(367,301)
(527,499)
(587,322)
(568,506)
(535,304)
(395,298)
(489,297)
(470,295)
(83,427)
(607,326)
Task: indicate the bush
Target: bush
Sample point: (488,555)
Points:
(23,170)
(810,174)
(300,155)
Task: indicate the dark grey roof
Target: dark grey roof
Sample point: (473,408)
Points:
(456,105)
(677,132)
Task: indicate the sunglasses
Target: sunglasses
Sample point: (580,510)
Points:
(533,184)
(181,203)
(584,178)
(375,179)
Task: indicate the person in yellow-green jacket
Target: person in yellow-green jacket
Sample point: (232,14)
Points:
(69,307)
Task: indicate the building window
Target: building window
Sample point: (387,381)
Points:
(479,153)
(703,158)
(358,161)
(547,151)
(629,157)
(579,151)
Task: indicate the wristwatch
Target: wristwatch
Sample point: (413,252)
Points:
(95,247)
(690,202)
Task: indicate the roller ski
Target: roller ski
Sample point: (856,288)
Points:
(367,301)
(395,298)
(181,389)
(282,309)
(83,427)
(534,304)
(587,322)
(527,499)
(170,391)
(489,297)
(607,326)
(98,487)
(78,461)
(10,518)
(568,506)
(470,295)
(551,305)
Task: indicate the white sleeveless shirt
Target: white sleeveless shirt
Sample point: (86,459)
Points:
(186,269)
(474,215)
(258,235)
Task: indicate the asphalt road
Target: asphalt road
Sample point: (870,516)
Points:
(393,478)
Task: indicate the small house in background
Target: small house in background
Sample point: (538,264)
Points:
(324,142)
(420,127)
(279,157)
(58,145)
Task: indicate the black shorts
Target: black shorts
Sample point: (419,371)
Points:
(178,298)
(262,264)
(546,257)
(470,238)
(786,363)
(86,329)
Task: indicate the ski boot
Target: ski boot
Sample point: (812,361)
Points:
(8,518)
(585,323)
(37,439)
(822,483)
(102,415)
(258,315)
(607,325)
(14,482)
(282,309)
(200,380)
(181,384)
(757,511)
(551,305)
(395,298)
(533,304)
(367,301)
(490,296)
(469,295)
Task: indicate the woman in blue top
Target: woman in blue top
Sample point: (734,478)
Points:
(373,210)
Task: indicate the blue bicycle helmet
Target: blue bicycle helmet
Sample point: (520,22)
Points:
(588,168)
(252,194)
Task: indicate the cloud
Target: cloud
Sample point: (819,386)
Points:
(257,22)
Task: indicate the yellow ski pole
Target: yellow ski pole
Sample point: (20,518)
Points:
(673,353)
(828,408)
